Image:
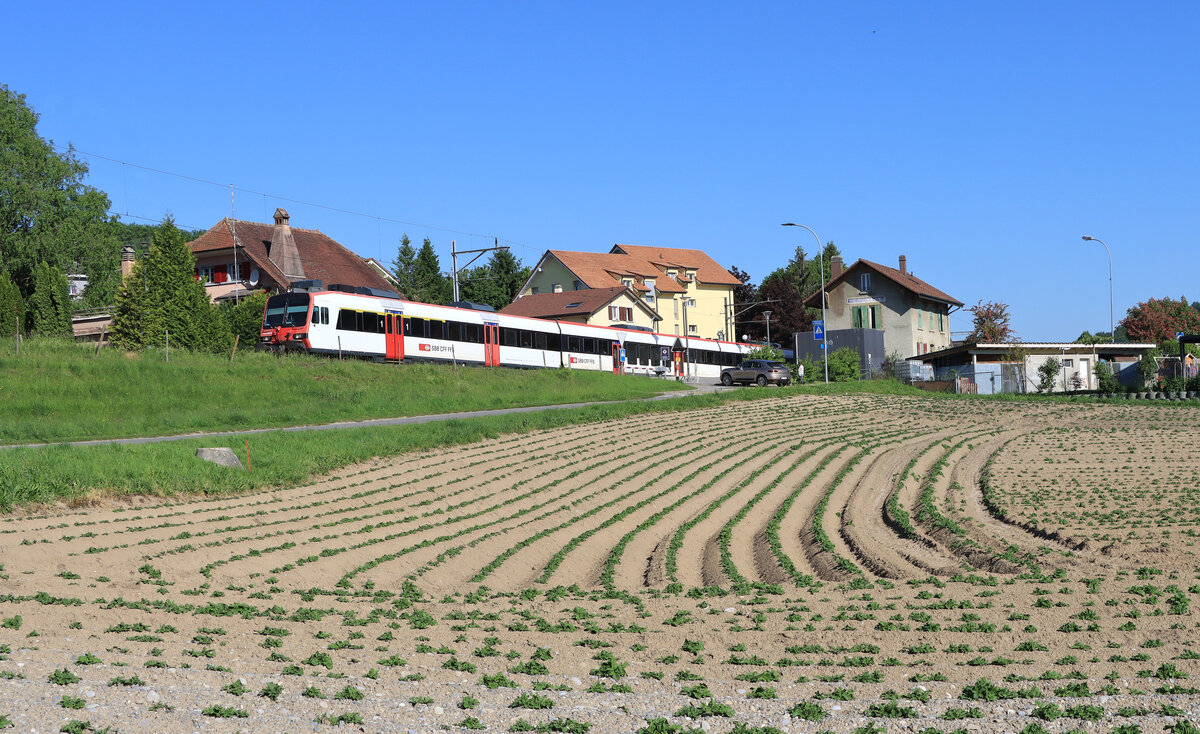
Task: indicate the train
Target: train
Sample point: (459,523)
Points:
(379,325)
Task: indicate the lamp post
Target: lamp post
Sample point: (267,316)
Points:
(767,316)
(1112,331)
(821,255)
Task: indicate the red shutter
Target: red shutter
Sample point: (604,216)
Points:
(220,274)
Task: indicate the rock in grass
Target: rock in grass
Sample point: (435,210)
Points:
(222,456)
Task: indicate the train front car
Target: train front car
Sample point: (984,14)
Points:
(285,323)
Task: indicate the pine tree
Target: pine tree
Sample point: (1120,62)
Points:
(430,284)
(11,306)
(162,297)
(49,306)
(404,267)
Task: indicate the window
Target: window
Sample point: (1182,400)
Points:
(650,284)
(574,304)
(1068,363)
(204,274)
(556,287)
(866,317)
(578,285)
(620,313)
(692,329)
(864,282)
(574,344)
(324,314)
(920,320)
(672,273)
(535,290)
(941,321)
(675,306)
(628,283)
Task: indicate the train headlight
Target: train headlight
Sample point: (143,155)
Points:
(299,337)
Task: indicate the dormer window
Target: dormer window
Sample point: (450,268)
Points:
(627,282)
(691,274)
(672,273)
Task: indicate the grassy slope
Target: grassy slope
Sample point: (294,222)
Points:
(59,391)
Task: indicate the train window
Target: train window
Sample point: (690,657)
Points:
(454,331)
(574,344)
(508,337)
(554,342)
(527,339)
(437,329)
(539,340)
(472,333)
(589,345)
(347,320)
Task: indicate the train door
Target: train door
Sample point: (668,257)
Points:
(394,326)
(618,358)
(491,345)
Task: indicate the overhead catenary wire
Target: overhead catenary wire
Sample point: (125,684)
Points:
(290,200)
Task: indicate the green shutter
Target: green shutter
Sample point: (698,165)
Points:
(877,313)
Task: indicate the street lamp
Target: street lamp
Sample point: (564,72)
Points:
(767,315)
(1112,332)
(821,255)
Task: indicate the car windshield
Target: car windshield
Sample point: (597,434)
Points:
(286,309)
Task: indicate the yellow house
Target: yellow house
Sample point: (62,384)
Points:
(617,306)
(692,294)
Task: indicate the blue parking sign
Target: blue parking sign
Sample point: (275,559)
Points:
(818,330)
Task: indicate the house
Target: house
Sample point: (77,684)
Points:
(913,315)
(616,306)
(692,294)
(236,258)
(995,368)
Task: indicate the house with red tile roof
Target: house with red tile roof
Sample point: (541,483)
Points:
(691,293)
(236,258)
(616,306)
(913,315)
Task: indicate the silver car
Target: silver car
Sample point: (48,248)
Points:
(759,371)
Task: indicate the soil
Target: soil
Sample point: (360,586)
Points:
(396,589)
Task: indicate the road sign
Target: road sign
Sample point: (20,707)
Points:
(818,330)
(822,345)
(1178,335)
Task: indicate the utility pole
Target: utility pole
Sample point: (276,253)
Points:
(455,252)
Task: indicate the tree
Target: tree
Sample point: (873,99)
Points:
(788,314)
(50,305)
(47,213)
(245,319)
(1159,319)
(1105,379)
(496,283)
(162,296)
(991,323)
(404,267)
(1046,374)
(429,283)
(12,308)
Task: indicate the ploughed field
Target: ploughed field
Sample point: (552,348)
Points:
(855,564)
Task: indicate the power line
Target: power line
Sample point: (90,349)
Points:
(233,187)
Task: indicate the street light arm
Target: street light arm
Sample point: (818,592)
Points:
(821,255)
(1112,329)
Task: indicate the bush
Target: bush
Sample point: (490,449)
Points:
(843,365)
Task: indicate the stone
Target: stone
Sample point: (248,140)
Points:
(221,456)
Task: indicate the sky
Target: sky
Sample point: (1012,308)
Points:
(979,139)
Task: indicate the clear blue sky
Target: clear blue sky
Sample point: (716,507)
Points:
(979,139)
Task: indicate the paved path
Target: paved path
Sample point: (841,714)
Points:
(699,389)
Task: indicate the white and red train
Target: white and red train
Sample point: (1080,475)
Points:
(377,325)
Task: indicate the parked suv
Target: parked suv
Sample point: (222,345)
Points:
(760,371)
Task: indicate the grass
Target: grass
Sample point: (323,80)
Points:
(61,391)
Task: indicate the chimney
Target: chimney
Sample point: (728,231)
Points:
(127,258)
(903,264)
(836,267)
(283,248)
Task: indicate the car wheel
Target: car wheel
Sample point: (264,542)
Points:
(762,380)
(726,380)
